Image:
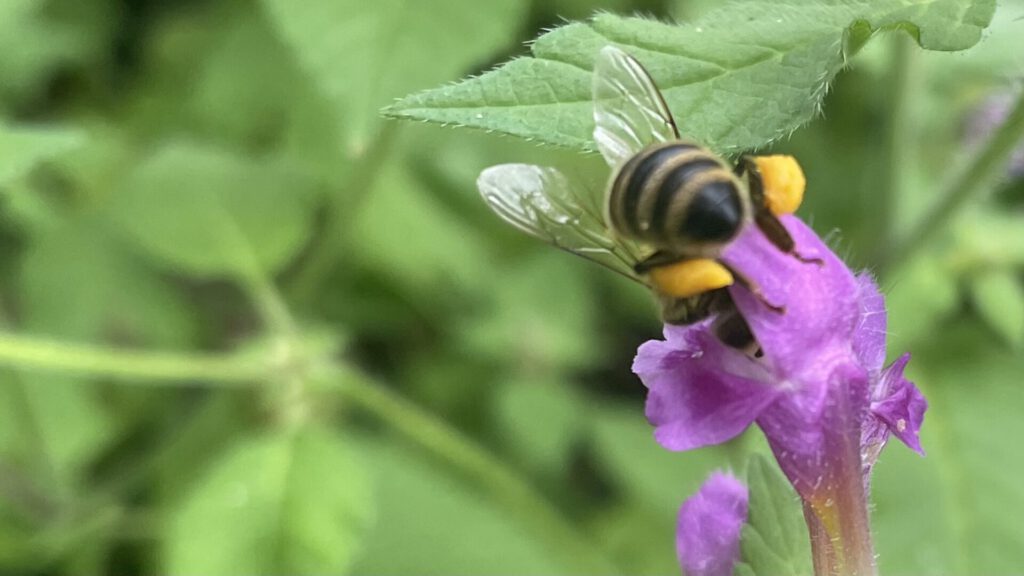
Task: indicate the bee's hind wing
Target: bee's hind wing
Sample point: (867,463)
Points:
(542,202)
(629,111)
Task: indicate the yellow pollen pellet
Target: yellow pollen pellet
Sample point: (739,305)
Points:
(690,278)
(784,182)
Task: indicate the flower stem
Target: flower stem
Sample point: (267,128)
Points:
(543,520)
(986,165)
(30,353)
(823,555)
(855,554)
(840,532)
(837,516)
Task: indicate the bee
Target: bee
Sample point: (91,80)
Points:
(670,209)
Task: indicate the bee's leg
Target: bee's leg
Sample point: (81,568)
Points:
(763,217)
(778,235)
(732,329)
(746,165)
(752,286)
(656,260)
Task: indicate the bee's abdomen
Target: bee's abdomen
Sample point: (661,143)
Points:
(675,192)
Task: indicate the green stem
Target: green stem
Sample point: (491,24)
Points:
(502,483)
(253,278)
(985,167)
(31,353)
(269,303)
(903,81)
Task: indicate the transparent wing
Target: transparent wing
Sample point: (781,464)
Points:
(543,203)
(629,111)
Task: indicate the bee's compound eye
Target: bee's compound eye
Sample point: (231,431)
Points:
(690,277)
(784,182)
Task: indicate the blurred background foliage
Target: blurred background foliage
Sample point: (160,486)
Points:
(252,327)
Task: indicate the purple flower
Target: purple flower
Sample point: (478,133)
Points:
(708,530)
(819,392)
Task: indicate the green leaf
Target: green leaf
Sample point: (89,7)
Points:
(365,54)
(274,504)
(21,148)
(35,41)
(923,293)
(999,298)
(211,213)
(414,241)
(430,523)
(625,447)
(200,436)
(77,284)
(54,425)
(639,539)
(543,315)
(956,510)
(19,552)
(743,569)
(541,420)
(774,540)
(1000,54)
(988,237)
(738,78)
(247,85)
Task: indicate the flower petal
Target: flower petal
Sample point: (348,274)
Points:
(709,527)
(807,428)
(869,335)
(821,301)
(701,391)
(902,407)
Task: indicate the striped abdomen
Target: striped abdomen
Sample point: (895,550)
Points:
(676,195)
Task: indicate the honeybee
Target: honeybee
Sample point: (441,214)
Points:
(670,209)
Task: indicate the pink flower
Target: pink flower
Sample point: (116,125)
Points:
(709,526)
(819,392)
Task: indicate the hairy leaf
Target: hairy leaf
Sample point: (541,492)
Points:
(774,540)
(738,78)
(274,504)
